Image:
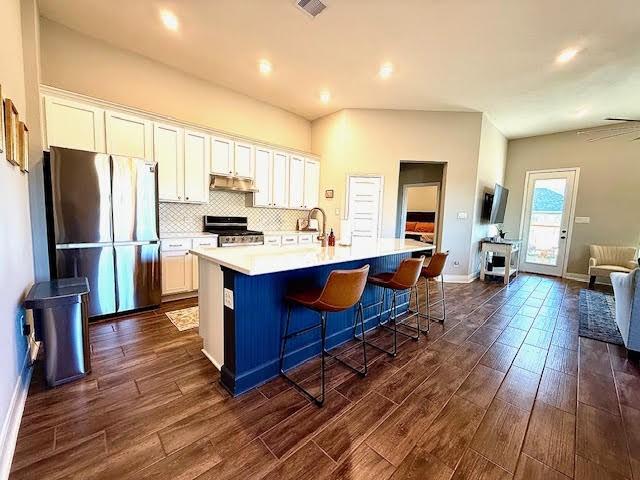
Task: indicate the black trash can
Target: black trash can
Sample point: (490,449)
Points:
(61,321)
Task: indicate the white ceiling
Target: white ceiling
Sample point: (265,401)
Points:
(495,56)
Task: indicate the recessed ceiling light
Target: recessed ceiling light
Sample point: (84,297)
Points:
(169,19)
(386,69)
(567,55)
(265,67)
(325,96)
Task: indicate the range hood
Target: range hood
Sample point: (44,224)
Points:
(232,184)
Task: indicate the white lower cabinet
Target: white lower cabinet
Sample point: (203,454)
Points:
(177,272)
(273,240)
(305,239)
(179,267)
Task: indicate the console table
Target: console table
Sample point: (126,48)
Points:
(509,249)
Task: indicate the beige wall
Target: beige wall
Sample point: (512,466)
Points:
(376,141)
(16,262)
(608,190)
(422,199)
(75,62)
(492,158)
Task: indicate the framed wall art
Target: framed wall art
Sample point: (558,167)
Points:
(23,147)
(11,131)
(2,137)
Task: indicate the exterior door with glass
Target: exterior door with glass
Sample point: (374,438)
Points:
(549,198)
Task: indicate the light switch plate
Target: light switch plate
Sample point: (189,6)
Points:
(228,298)
(462,215)
(583,219)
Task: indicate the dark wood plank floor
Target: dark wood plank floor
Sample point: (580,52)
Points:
(505,389)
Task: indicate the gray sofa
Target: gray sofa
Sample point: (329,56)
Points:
(626,288)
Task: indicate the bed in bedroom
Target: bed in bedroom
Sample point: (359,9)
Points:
(421,226)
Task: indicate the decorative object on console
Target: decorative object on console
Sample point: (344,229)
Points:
(607,259)
(11,131)
(597,317)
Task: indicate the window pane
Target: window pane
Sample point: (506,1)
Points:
(546,220)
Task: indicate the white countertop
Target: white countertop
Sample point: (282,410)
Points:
(289,232)
(169,235)
(258,260)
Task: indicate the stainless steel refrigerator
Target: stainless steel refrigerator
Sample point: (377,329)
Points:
(102,216)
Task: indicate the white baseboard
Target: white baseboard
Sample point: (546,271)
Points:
(11,424)
(215,364)
(448,278)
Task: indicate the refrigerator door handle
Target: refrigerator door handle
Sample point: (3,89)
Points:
(124,244)
(67,246)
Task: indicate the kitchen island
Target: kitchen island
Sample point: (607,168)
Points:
(242,307)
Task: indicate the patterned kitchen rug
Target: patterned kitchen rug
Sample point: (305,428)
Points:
(597,317)
(185,318)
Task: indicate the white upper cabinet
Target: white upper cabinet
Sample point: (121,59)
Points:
(244,160)
(279,180)
(169,153)
(129,135)
(296,182)
(221,156)
(73,125)
(263,178)
(186,158)
(196,166)
(311,183)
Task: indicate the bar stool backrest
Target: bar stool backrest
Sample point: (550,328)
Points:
(343,289)
(407,273)
(436,265)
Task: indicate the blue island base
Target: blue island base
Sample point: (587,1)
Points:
(254,326)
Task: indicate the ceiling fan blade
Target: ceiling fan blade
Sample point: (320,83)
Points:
(608,136)
(623,119)
(628,128)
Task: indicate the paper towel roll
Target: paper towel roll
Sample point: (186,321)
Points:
(345,233)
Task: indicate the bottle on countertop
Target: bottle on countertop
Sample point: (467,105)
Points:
(332,239)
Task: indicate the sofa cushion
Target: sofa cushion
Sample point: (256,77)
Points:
(606,270)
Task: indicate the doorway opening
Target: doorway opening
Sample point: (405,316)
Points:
(420,201)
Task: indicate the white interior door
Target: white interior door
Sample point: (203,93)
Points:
(549,198)
(364,204)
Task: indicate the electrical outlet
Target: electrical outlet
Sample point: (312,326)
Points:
(228,298)
(337,212)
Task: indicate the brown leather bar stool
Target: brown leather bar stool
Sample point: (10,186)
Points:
(342,290)
(404,279)
(431,272)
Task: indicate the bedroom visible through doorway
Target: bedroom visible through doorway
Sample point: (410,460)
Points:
(421,212)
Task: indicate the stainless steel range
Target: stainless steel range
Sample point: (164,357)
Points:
(232,231)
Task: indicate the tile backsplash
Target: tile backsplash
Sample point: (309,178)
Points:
(184,217)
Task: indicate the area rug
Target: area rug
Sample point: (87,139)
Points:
(185,318)
(597,317)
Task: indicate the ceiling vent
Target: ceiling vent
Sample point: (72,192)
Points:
(311,7)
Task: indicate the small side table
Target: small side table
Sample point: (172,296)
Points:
(509,249)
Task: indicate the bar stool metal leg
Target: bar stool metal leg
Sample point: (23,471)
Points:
(319,400)
(359,318)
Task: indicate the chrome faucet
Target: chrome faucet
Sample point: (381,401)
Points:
(323,236)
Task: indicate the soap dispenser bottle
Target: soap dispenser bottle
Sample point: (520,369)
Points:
(332,239)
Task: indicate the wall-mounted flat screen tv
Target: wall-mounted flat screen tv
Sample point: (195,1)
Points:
(495,205)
